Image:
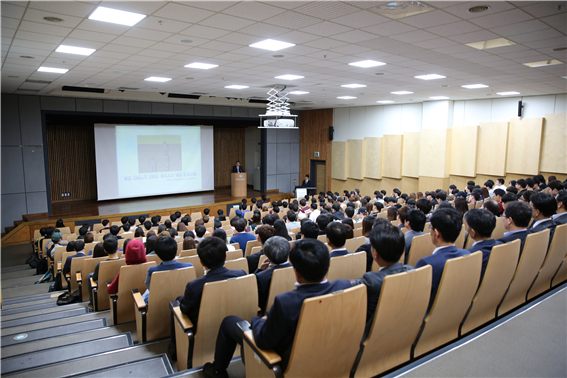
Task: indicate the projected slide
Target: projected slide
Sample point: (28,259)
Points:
(144,160)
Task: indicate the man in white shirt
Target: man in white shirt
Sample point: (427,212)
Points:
(314,212)
(500,185)
(291,221)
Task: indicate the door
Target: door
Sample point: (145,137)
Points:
(319,175)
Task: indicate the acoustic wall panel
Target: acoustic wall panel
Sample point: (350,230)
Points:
(372,157)
(338,164)
(392,161)
(524,146)
(554,144)
(433,153)
(410,155)
(354,159)
(463,151)
(491,148)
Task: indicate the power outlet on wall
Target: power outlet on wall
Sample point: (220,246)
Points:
(67,194)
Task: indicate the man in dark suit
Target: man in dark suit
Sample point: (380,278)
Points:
(264,233)
(543,207)
(237,168)
(516,217)
(480,225)
(446,224)
(561,216)
(387,246)
(276,331)
(336,238)
(80,249)
(212,253)
(306,183)
(337,212)
(277,252)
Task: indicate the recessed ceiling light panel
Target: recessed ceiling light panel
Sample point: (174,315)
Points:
(346,97)
(491,43)
(272,45)
(401,92)
(298,92)
(367,63)
(53,70)
(353,86)
(75,50)
(430,77)
(439,97)
(289,77)
(507,93)
(400,9)
(474,86)
(116,16)
(235,86)
(543,63)
(385,102)
(158,79)
(202,66)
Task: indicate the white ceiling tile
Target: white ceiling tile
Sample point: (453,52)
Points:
(110,54)
(292,20)
(220,46)
(156,53)
(436,43)
(351,49)
(454,28)
(72,8)
(136,42)
(121,48)
(482,35)
(38,37)
(461,9)
(360,19)
(536,36)
(89,36)
(543,8)
(414,36)
(354,36)
(204,32)
(551,43)
(161,24)
(329,10)
(34,44)
(298,37)
(224,21)
(215,6)
(519,28)
(429,19)
(82,43)
(12,11)
(239,39)
(253,10)
(502,18)
(557,22)
(143,7)
(389,28)
(184,13)
(8,33)
(10,23)
(326,28)
(325,43)
(264,30)
(152,35)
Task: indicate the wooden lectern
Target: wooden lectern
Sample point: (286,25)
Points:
(239,185)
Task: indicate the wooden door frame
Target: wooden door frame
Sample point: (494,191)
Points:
(313,170)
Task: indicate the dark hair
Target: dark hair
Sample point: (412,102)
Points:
(348,221)
(310,258)
(337,234)
(562,197)
(492,206)
(555,184)
(166,248)
(212,252)
(188,242)
(323,220)
(530,182)
(513,183)
(512,189)
(161,228)
(388,241)
(392,213)
(482,221)
(523,183)
(448,222)
(114,230)
(70,246)
(59,223)
(470,182)
(520,212)
(309,229)
(545,203)
(139,232)
(200,231)
(220,233)
(240,224)
(461,206)
(291,216)
(349,211)
(509,197)
(110,244)
(126,226)
(148,225)
(265,232)
(416,219)
(499,192)
(98,251)
(424,205)
(281,229)
(82,231)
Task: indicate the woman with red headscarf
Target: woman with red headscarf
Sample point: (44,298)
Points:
(135,254)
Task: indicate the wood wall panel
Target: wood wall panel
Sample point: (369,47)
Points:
(433,153)
(314,137)
(554,143)
(340,155)
(71,160)
(491,149)
(410,155)
(355,167)
(392,156)
(524,145)
(372,157)
(463,150)
(229,147)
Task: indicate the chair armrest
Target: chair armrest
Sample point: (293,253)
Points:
(94,285)
(67,276)
(110,295)
(79,277)
(138,300)
(269,357)
(58,266)
(182,319)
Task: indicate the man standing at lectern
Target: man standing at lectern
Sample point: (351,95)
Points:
(306,183)
(237,168)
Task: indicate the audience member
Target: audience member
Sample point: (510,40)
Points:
(79,247)
(110,245)
(309,230)
(276,250)
(561,216)
(135,254)
(241,237)
(264,233)
(415,223)
(543,207)
(516,218)
(480,224)
(281,229)
(336,238)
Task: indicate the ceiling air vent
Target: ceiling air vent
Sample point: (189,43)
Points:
(180,95)
(53,19)
(127,89)
(38,81)
(256,101)
(479,8)
(82,89)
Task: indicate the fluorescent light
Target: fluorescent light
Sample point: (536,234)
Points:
(400,9)
(116,16)
(53,70)
(289,77)
(543,63)
(353,86)
(236,86)
(491,43)
(272,45)
(159,79)
(507,93)
(430,77)
(202,66)
(401,92)
(439,97)
(367,63)
(75,50)
(298,92)
(474,86)
(346,97)
(386,102)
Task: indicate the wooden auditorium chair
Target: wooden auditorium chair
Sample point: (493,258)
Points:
(251,244)
(399,315)
(233,255)
(323,346)
(497,277)
(74,274)
(153,320)
(199,271)
(187,252)
(238,264)
(283,280)
(322,238)
(154,258)
(555,255)
(421,246)
(352,245)
(347,267)
(88,267)
(107,271)
(237,296)
(460,242)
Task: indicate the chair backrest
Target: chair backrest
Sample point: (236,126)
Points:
(64,256)
(233,255)
(235,245)
(188,252)
(89,246)
(499,272)
(460,242)
(107,271)
(248,215)
(322,238)
(166,287)
(238,264)
(64,230)
(555,255)
(256,250)
(195,216)
(471,206)
(382,214)
(131,277)
(251,244)
(199,271)
(97,227)
(458,285)
(283,280)
(225,223)
(58,254)
(531,260)
(261,260)
(352,245)
(499,229)
(88,267)
(312,354)
(421,246)
(399,314)
(69,237)
(357,225)
(76,266)
(295,230)
(347,267)
(357,232)
(154,258)
(229,294)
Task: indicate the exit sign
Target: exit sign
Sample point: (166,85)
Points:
(317,154)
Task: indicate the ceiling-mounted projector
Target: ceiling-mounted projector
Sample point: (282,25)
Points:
(279,122)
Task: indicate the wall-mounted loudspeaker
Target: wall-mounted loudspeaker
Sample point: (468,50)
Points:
(520,107)
(331,131)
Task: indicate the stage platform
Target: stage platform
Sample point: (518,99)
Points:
(89,211)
